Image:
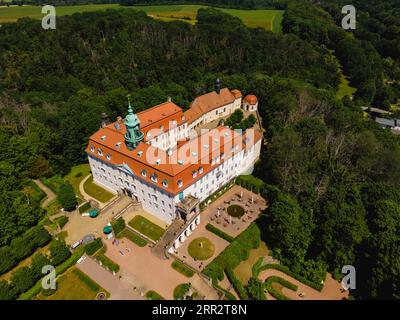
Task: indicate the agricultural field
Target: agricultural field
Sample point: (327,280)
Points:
(268,19)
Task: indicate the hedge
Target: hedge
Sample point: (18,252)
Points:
(153,295)
(39,193)
(216,194)
(219,232)
(275,293)
(228,295)
(93,247)
(118,225)
(22,247)
(181,290)
(61,221)
(257,185)
(84,207)
(181,268)
(286,270)
(237,251)
(237,285)
(106,262)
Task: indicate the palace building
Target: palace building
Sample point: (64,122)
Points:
(158,158)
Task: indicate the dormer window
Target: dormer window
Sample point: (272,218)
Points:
(194,174)
(144,173)
(100,152)
(180,162)
(149,135)
(108,156)
(103,138)
(154,177)
(140,153)
(92,148)
(158,161)
(165,183)
(180,183)
(118,144)
(200,170)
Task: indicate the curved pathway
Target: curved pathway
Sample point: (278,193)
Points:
(50,195)
(330,291)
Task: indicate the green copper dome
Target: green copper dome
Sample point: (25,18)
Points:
(133,135)
(131,119)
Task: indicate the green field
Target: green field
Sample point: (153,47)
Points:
(268,19)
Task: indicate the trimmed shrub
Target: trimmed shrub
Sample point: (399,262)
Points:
(228,295)
(237,285)
(219,232)
(39,260)
(61,221)
(180,291)
(233,254)
(84,207)
(275,293)
(7,259)
(59,251)
(255,289)
(284,269)
(152,295)
(93,247)
(107,262)
(67,197)
(118,225)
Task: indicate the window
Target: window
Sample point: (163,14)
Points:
(165,183)
(144,173)
(103,138)
(200,170)
(180,183)
(100,152)
(216,112)
(154,177)
(118,144)
(108,156)
(194,173)
(92,148)
(140,153)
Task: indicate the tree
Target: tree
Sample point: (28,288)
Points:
(67,197)
(6,291)
(22,279)
(7,259)
(59,252)
(288,229)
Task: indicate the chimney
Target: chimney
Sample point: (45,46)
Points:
(169,99)
(119,119)
(217,86)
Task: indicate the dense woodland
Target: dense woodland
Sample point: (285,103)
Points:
(337,172)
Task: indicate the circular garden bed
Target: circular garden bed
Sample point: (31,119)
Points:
(235,211)
(201,249)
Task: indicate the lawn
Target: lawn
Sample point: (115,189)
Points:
(201,248)
(33,190)
(53,182)
(76,175)
(128,234)
(146,227)
(96,191)
(268,19)
(181,268)
(74,285)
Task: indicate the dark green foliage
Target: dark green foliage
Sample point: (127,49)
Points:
(66,196)
(118,225)
(7,292)
(237,285)
(93,247)
(61,221)
(219,232)
(22,279)
(275,293)
(59,251)
(235,118)
(7,259)
(39,236)
(180,291)
(22,247)
(255,289)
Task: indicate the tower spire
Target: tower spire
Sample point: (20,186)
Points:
(133,135)
(217,86)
